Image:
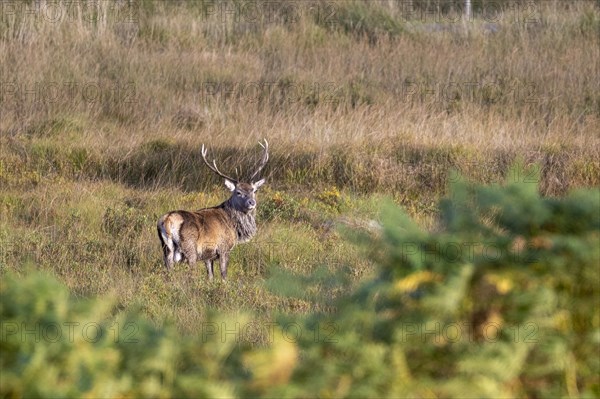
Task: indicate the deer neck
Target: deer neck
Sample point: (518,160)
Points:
(244,223)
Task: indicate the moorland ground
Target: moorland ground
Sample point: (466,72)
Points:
(103,112)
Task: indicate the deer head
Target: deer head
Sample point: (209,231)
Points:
(243,194)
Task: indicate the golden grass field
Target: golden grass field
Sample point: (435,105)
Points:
(103,111)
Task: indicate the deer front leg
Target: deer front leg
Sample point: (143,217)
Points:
(209,268)
(223,264)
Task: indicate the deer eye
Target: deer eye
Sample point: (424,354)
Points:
(239,193)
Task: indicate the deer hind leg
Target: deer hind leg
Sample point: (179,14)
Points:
(189,252)
(167,247)
(168,258)
(223,261)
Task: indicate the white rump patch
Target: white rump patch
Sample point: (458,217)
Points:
(175,235)
(165,238)
(175,239)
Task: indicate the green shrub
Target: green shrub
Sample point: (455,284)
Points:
(55,346)
(498,303)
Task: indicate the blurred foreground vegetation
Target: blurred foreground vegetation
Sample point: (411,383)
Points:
(500,301)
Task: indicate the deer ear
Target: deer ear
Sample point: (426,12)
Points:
(259,183)
(230,185)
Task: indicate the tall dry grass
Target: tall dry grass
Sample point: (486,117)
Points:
(115,77)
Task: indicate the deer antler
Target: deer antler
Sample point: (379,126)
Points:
(263,161)
(214,168)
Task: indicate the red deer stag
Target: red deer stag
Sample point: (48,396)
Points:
(210,233)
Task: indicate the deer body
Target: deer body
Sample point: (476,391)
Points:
(210,234)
